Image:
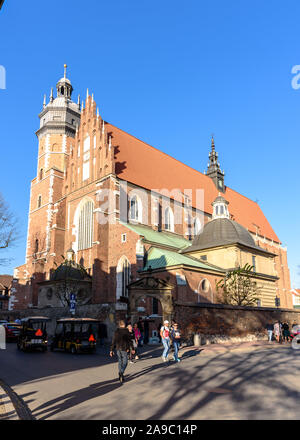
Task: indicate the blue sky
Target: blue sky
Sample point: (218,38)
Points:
(170,73)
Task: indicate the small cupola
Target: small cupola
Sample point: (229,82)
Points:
(220,207)
(64,87)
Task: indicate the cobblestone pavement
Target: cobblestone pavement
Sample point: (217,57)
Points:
(253,380)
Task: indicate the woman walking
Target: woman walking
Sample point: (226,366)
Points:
(175,335)
(138,336)
(132,352)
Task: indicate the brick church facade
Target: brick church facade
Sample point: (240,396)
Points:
(101,193)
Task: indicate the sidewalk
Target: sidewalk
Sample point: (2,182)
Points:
(7,409)
(228,347)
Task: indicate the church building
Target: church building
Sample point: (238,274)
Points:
(117,221)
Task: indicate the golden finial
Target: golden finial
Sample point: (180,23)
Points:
(65,68)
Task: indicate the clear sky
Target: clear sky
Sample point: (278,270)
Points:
(171,73)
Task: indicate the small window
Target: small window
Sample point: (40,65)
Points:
(123,238)
(41,173)
(154,306)
(204,285)
(39,204)
(204,257)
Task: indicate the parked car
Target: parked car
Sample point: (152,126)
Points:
(12,331)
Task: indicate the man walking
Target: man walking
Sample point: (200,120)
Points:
(122,343)
(165,337)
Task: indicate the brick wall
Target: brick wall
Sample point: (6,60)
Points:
(219,319)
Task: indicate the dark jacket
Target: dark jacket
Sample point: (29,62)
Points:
(121,340)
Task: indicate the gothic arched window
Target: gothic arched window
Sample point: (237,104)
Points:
(169,219)
(135,209)
(85,225)
(123,277)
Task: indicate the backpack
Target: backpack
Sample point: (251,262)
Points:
(165,332)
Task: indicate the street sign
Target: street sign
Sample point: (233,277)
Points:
(72,303)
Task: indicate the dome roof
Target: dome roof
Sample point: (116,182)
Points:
(61,101)
(222,231)
(64,80)
(69,270)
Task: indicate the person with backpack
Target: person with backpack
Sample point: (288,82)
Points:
(165,337)
(175,336)
(122,343)
(137,334)
(132,352)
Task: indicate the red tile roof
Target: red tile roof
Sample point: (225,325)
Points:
(150,168)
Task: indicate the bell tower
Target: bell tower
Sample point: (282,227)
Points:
(59,121)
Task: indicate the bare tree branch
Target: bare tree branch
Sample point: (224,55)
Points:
(8,228)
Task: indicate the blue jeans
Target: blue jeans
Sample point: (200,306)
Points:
(270,333)
(166,344)
(176,348)
(123,360)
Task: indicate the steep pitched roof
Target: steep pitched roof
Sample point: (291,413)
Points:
(150,168)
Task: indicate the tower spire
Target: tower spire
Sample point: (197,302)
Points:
(213,168)
(65,71)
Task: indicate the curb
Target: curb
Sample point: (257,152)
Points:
(7,409)
(214,348)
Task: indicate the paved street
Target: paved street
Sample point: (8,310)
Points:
(257,381)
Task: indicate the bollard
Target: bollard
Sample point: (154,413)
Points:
(197,340)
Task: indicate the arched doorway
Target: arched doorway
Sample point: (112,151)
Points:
(151,287)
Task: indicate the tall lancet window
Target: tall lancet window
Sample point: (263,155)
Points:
(85,225)
(135,209)
(123,277)
(169,219)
